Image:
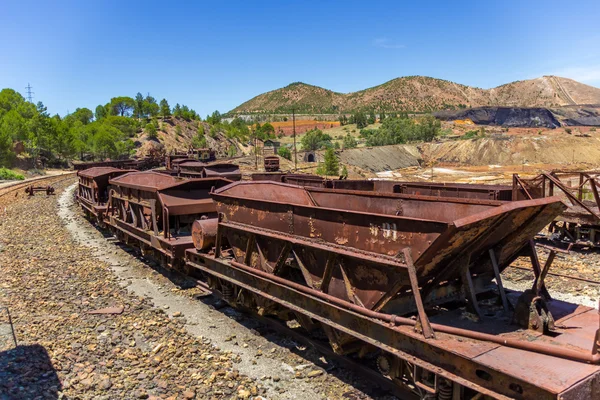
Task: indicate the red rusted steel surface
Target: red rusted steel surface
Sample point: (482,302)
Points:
(31,190)
(436,231)
(158,210)
(223,170)
(204,233)
(92,192)
(268,176)
(141,164)
(437,189)
(271,163)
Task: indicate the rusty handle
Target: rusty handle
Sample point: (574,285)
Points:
(396,320)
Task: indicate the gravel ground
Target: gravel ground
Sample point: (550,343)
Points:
(575,264)
(50,284)
(166,344)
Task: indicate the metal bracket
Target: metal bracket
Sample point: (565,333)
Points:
(468,288)
(499,280)
(414,283)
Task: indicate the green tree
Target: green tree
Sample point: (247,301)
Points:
(285,153)
(177,110)
(122,106)
(214,118)
(151,131)
(6,153)
(330,166)
(165,110)
(100,112)
(372,118)
(315,139)
(85,115)
(268,130)
(429,128)
(360,119)
(139,106)
(349,142)
(150,107)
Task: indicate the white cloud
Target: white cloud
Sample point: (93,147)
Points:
(589,74)
(386,43)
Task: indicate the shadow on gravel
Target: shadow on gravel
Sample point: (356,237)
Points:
(26,372)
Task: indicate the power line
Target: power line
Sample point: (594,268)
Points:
(29,93)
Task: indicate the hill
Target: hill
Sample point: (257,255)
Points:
(421,94)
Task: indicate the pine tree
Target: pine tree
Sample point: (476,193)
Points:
(331,166)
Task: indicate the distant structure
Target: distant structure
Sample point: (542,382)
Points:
(29,93)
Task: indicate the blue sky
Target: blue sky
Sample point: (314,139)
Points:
(215,55)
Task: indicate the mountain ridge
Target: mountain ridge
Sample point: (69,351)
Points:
(421,94)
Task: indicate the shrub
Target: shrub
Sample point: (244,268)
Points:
(470,135)
(151,131)
(232,151)
(349,142)
(285,153)
(7,174)
(199,142)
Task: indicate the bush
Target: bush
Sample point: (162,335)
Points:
(232,151)
(470,135)
(151,131)
(199,142)
(349,142)
(285,153)
(8,175)
(178,130)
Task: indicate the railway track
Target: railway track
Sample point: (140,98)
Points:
(45,180)
(574,278)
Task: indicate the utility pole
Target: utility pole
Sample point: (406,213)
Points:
(294,131)
(255,149)
(29,93)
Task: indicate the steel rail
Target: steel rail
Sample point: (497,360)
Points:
(575,278)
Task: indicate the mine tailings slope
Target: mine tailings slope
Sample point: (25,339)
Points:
(526,117)
(382,158)
(512,150)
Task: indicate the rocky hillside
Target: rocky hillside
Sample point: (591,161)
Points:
(418,93)
(176,135)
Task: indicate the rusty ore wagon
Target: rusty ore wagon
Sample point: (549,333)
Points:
(411,280)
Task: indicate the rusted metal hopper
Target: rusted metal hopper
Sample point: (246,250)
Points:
(92,192)
(372,248)
(223,170)
(158,210)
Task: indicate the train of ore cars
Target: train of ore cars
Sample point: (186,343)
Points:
(405,275)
